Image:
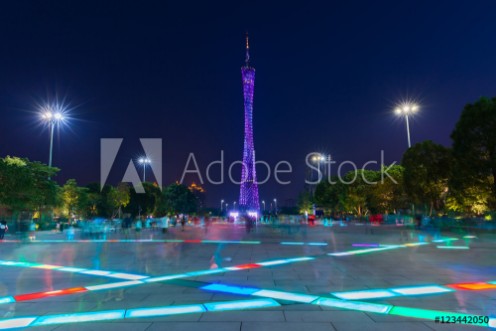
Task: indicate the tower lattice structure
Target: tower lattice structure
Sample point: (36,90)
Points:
(248,194)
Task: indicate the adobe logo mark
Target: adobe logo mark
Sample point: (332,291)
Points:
(109,147)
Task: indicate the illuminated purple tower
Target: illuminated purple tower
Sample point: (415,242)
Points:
(248,193)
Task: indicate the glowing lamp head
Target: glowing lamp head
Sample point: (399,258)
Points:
(406,109)
(58,116)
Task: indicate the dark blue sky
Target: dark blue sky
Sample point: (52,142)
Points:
(328,77)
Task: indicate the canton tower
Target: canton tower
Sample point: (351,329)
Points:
(248,193)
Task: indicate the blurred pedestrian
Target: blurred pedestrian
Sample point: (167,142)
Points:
(3,228)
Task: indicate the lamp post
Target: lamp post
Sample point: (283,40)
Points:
(405,110)
(144,161)
(221,204)
(263,203)
(234,205)
(53,118)
(275,205)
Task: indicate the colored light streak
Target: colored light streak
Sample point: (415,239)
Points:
(420,290)
(135,313)
(353,305)
(444,240)
(16,322)
(127,276)
(113,285)
(300,259)
(478,286)
(368,294)
(358,305)
(96,272)
(365,245)
(164,311)
(80,317)
(206,272)
(33,296)
(416,244)
(46,266)
(247,266)
(365,251)
(164,278)
(8,299)
(469,237)
(305,298)
(272,263)
(246,304)
(292,243)
(230,242)
(41,295)
(71,269)
(38,295)
(230,289)
(453,247)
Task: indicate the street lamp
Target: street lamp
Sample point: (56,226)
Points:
(234,205)
(407,109)
(320,158)
(221,203)
(144,161)
(263,202)
(52,118)
(275,205)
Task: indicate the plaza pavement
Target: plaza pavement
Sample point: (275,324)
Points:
(406,266)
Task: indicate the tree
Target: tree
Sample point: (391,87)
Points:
(176,199)
(74,199)
(25,185)
(119,197)
(305,203)
(330,194)
(358,190)
(474,155)
(96,203)
(144,203)
(427,168)
(388,195)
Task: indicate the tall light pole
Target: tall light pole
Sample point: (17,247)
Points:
(234,205)
(275,205)
(52,118)
(405,110)
(221,204)
(319,158)
(144,161)
(263,203)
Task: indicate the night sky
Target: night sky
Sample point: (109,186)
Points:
(328,78)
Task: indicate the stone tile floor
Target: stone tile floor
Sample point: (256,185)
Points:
(405,266)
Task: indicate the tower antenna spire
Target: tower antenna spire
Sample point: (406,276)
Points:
(247,59)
